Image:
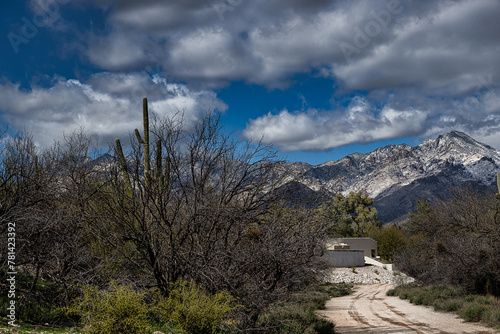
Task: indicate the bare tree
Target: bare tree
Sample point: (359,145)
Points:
(456,241)
(44,194)
(197,207)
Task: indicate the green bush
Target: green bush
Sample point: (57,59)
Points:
(473,312)
(297,315)
(195,310)
(492,317)
(472,308)
(117,310)
(295,318)
(448,305)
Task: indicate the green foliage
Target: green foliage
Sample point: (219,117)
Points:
(295,318)
(352,216)
(390,240)
(335,290)
(116,310)
(473,312)
(297,315)
(449,298)
(195,310)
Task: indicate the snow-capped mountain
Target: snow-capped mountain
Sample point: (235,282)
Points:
(397,175)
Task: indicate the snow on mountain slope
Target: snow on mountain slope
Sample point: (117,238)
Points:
(377,171)
(449,160)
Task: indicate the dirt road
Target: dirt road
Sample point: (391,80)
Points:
(370,310)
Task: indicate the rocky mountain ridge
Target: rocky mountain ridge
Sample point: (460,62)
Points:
(397,175)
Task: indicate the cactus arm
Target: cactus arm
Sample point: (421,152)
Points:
(123,165)
(138,135)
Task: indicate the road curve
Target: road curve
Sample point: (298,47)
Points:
(370,310)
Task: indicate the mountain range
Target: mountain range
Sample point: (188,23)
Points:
(396,176)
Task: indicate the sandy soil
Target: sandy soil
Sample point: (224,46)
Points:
(370,310)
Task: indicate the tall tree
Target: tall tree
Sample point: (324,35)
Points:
(352,215)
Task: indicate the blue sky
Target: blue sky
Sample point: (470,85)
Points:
(318,79)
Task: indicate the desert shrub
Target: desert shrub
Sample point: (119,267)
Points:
(335,290)
(473,312)
(294,318)
(472,308)
(492,317)
(119,309)
(391,292)
(448,305)
(417,299)
(390,239)
(427,295)
(297,314)
(195,310)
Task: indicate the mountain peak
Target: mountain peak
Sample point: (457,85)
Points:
(462,141)
(397,175)
(460,136)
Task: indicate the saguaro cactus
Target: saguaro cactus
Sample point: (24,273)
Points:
(497,195)
(498,184)
(145,141)
(160,176)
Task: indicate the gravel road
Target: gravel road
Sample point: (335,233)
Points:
(370,310)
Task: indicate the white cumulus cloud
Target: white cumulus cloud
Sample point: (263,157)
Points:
(108,105)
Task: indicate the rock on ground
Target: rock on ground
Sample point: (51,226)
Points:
(367,275)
